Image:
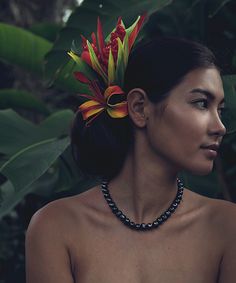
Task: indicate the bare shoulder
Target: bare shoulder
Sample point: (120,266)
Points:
(65,212)
(218,213)
(52,232)
(218,219)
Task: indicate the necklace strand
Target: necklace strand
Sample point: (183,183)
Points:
(142,227)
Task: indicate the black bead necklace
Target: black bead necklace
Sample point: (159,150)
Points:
(142,227)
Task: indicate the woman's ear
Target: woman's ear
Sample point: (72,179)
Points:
(138,106)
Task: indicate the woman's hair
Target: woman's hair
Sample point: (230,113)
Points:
(156,66)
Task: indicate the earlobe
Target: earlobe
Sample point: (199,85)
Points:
(137,106)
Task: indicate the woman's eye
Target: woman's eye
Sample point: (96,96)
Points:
(201,103)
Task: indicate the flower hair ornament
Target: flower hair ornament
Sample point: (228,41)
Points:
(101,66)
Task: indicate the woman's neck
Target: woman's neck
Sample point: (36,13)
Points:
(144,188)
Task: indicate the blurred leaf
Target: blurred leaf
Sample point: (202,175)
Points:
(18,133)
(23,48)
(182,19)
(48,31)
(15,99)
(27,50)
(84,20)
(229,117)
(58,124)
(215,6)
(26,167)
(205,185)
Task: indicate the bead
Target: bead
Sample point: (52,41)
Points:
(164,217)
(122,217)
(149,225)
(160,220)
(143,225)
(118,213)
(137,226)
(168,213)
(156,223)
(111,204)
(127,221)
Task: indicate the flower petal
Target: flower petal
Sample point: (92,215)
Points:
(111,69)
(81,77)
(94,40)
(111,90)
(136,29)
(120,64)
(100,37)
(85,56)
(118,110)
(95,63)
(90,108)
(126,49)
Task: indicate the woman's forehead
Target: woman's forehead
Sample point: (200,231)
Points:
(204,81)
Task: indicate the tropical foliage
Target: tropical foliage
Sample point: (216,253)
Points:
(36,165)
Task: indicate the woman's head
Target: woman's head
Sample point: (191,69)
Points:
(156,67)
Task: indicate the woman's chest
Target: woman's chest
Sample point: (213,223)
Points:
(174,255)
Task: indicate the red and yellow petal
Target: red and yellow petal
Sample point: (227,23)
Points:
(111,90)
(81,77)
(90,108)
(86,57)
(118,110)
(136,30)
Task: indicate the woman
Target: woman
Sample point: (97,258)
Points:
(174,98)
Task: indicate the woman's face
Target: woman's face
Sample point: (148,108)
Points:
(190,122)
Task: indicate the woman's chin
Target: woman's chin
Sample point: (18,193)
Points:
(201,170)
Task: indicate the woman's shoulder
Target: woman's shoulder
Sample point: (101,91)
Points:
(217,212)
(65,211)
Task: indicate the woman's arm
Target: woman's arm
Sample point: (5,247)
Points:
(47,257)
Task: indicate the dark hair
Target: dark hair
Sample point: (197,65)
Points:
(156,66)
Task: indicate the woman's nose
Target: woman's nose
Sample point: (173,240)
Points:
(217,126)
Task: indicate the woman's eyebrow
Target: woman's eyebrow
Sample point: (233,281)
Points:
(209,94)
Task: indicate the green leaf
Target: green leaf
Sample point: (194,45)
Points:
(18,133)
(19,99)
(215,6)
(23,48)
(48,31)
(58,124)
(14,132)
(27,50)
(25,167)
(229,117)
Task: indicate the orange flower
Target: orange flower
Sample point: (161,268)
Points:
(99,102)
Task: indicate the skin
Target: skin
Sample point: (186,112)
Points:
(78,239)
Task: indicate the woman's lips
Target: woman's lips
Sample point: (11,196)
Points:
(210,152)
